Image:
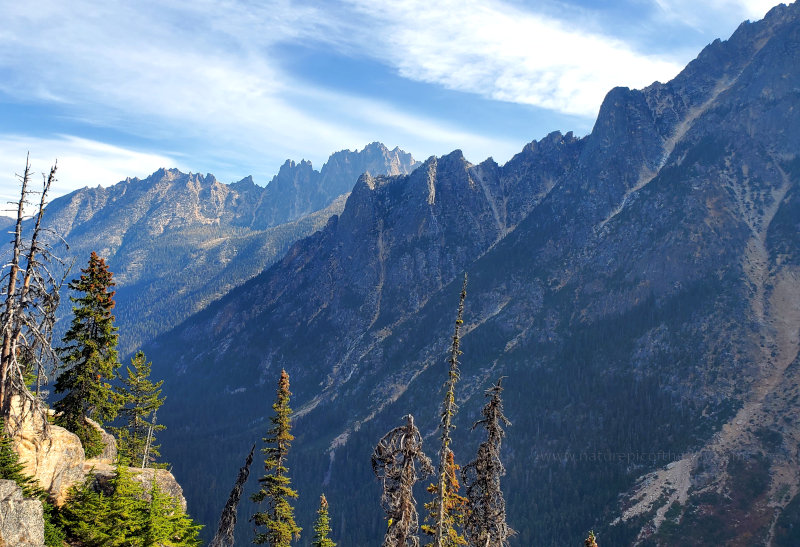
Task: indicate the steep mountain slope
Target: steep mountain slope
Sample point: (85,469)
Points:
(639,288)
(177,241)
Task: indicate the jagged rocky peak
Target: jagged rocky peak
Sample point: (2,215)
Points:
(246,183)
(299,189)
(375,159)
(290,171)
(633,284)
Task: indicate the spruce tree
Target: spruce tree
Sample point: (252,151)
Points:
(126,509)
(278,518)
(89,357)
(166,524)
(486,514)
(141,400)
(84,515)
(125,516)
(446,509)
(393,462)
(322,528)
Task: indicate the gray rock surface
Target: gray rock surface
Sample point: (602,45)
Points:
(21,519)
(109,454)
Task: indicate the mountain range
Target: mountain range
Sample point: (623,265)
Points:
(177,241)
(638,287)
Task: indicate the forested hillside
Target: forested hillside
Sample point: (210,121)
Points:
(638,287)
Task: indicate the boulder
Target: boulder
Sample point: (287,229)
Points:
(21,519)
(49,453)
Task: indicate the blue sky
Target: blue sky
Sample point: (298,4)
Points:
(235,87)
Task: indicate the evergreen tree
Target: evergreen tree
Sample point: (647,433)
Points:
(322,528)
(166,524)
(84,515)
(486,515)
(446,509)
(141,400)
(393,462)
(278,519)
(89,357)
(126,509)
(455,507)
(125,516)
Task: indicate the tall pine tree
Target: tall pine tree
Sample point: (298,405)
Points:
(486,514)
(322,528)
(89,357)
(447,507)
(278,518)
(141,400)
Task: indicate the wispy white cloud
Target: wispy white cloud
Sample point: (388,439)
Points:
(207,75)
(497,50)
(205,72)
(81,162)
(711,15)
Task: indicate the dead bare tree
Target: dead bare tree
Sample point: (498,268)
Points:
(486,515)
(393,461)
(31,296)
(227,521)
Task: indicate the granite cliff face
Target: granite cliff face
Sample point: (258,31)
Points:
(638,286)
(177,241)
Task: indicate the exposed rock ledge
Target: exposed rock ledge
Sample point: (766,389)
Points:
(55,458)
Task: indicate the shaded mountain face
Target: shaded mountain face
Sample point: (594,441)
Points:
(639,287)
(178,241)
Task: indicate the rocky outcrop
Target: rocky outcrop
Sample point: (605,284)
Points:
(104,473)
(21,519)
(109,454)
(55,458)
(50,454)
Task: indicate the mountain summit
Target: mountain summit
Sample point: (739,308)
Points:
(639,287)
(176,241)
